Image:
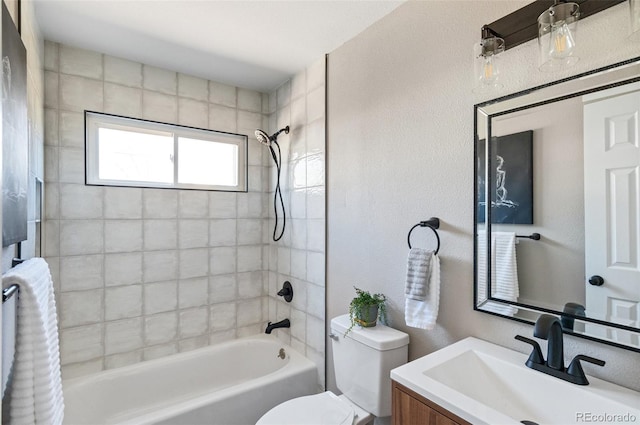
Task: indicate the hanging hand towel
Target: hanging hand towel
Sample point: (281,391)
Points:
(418,273)
(423,314)
(35,390)
(504,275)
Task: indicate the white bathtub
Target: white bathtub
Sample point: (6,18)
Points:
(235,382)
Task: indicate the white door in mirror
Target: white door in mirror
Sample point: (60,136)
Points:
(612,209)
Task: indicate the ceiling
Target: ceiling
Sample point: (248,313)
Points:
(252,44)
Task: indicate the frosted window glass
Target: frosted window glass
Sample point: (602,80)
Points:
(133,156)
(207,163)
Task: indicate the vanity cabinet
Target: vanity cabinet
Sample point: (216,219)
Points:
(410,408)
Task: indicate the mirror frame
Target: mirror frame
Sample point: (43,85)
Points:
(563,94)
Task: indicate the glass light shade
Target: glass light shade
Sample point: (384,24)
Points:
(634,14)
(557,36)
(486,64)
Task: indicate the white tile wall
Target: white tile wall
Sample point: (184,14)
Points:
(71,127)
(160,297)
(81,343)
(159,265)
(193,204)
(122,235)
(123,301)
(192,113)
(222,260)
(194,263)
(120,71)
(222,316)
(159,80)
(223,204)
(221,94)
(122,202)
(81,272)
(159,107)
(80,62)
(193,234)
(149,272)
(122,336)
(71,166)
(160,328)
(78,237)
(144,273)
(80,93)
(122,100)
(222,232)
(122,269)
(193,87)
(222,288)
(300,256)
(81,307)
(193,292)
(222,118)
(160,203)
(160,234)
(193,322)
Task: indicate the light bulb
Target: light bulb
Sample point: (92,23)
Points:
(486,57)
(556,36)
(561,43)
(489,70)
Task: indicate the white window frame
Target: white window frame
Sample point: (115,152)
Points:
(93,121)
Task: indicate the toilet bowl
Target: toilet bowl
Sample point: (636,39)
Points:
(319,409)
(363,359)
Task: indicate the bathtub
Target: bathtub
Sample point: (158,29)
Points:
(234,382)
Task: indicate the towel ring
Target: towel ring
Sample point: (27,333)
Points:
(433,223)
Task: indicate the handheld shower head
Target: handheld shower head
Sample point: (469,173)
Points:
(265,139)
(276,154)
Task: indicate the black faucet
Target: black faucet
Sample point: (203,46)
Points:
(548,327)
(281,324)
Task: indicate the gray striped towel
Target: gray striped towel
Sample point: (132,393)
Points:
(418,274)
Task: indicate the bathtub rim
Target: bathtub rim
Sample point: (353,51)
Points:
(297,364)
(148,364)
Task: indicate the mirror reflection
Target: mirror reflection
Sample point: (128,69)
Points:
(558,204)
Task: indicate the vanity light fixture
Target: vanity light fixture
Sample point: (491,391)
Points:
(553,22)
(486,69)
(557,36)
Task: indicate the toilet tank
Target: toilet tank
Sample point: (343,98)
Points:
(363,361)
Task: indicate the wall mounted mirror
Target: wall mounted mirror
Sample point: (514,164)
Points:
(557,217)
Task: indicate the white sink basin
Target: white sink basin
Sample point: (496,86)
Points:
(485,383)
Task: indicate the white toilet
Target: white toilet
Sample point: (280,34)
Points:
(362,360)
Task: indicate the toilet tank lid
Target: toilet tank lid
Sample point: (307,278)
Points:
(379,337)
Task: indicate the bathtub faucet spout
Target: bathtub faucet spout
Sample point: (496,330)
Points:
(281,324)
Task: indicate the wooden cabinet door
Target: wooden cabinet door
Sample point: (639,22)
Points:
(410,408)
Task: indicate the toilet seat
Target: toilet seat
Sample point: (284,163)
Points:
(319,409)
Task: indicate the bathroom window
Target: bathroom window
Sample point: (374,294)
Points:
(131,152)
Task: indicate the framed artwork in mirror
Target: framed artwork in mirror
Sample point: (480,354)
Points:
(510,178)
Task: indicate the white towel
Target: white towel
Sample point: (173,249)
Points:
(418,273)
(504,272)
(423,314)
(35,390)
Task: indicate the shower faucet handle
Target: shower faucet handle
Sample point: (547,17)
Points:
(286,291)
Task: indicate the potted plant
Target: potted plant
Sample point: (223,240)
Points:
(366,309)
